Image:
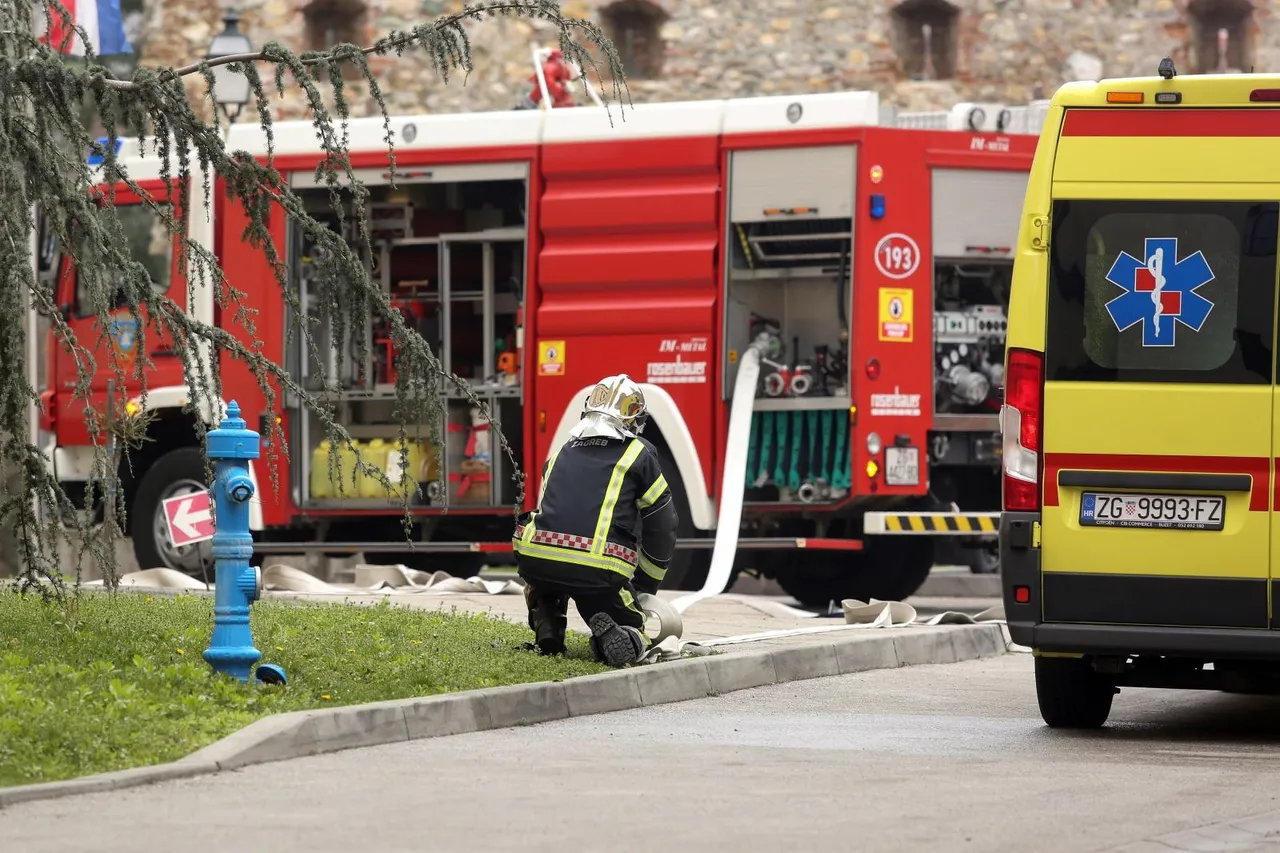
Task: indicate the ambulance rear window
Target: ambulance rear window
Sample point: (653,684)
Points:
(1162,291)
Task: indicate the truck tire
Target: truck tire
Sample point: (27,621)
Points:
(1071,695)
(889,568)
(178,472)
(688,569)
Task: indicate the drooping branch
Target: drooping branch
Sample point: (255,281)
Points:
(114,286)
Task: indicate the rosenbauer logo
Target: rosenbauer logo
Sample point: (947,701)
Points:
(678,372)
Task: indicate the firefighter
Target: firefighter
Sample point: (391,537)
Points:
(604,529)
(558,73)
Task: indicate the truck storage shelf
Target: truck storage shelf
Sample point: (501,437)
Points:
(454,295)
(388,392)
(786,273)
(483,391)
(801,404)
(388,431)
(966,423)
(397,242)
(489,235)
(391,505)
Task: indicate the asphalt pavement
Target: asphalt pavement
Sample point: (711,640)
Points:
(926,758)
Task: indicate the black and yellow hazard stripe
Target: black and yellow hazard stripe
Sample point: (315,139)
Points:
(940,522)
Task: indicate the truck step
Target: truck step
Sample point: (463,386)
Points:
(770,543)
(931,523)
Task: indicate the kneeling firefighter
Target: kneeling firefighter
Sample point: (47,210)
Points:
(604,528)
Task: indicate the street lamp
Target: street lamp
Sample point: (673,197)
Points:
(230,88)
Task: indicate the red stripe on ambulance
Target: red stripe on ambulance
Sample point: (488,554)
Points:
(1259,468)
(1148,121)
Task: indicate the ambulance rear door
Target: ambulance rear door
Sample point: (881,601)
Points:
(1158,403)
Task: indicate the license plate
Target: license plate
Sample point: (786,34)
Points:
(902,466)
(1169,512)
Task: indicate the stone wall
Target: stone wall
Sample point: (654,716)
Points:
(1000,50)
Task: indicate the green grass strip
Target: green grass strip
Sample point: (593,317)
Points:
(109,682)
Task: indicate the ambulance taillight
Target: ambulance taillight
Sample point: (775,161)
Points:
(1021,419)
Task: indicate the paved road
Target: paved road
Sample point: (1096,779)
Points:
(950,758)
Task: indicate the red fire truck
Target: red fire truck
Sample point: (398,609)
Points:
(857,260)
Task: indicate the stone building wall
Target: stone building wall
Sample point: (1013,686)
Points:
(995,50)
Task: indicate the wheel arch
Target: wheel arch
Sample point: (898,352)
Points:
(674,433)
(174,427)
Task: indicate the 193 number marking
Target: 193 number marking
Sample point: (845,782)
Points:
(897,256)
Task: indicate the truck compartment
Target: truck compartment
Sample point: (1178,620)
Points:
(450,255)
(788,276)
(974,232)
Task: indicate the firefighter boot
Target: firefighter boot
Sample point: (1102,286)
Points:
(614,644)
(547,618)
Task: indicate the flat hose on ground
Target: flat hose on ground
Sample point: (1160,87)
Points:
(728,524)
(672,623)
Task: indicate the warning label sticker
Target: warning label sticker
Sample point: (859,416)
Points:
(895,314)
(551,358)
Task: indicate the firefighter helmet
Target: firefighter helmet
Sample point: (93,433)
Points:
(618,398)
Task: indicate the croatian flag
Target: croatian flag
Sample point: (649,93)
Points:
(101,21)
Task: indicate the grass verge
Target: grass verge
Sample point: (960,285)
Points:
(108,682)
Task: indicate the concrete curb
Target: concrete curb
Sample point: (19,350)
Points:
(302,733)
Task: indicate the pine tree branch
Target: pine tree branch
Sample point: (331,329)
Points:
(82,221)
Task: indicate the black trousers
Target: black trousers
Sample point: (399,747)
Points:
(550,585)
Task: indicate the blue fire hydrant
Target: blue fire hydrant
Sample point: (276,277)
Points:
(236,583)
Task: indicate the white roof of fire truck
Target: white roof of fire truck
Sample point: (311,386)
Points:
(644,121)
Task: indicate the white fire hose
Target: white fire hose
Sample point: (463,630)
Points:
(667,641)
(729,522)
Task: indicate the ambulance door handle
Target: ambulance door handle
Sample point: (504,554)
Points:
(1138,480)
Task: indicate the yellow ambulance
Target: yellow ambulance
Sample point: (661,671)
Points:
(1140,533)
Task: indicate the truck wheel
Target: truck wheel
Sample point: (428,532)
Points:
(178,472)
(1071,695)
(888,569)
(688,569)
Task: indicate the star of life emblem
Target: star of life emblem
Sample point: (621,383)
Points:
(1160,291)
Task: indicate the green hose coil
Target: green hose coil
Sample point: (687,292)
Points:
(840,476)
(814,462)
(779,475)
(797,433)
(762,474)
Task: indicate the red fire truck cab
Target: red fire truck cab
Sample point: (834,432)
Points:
(857,261)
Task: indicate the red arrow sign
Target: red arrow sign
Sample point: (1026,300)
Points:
(189,518)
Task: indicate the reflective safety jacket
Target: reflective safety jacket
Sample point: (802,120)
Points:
(604,506)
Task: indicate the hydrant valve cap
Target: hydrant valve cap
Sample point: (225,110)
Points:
(269,673)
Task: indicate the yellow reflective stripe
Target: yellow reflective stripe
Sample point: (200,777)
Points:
(611,495)
(576,557)
(650,497)
(629,602)
(651,568)
(551,463)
